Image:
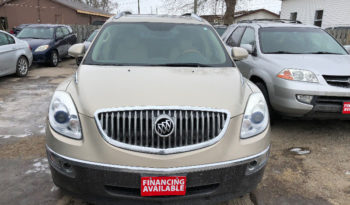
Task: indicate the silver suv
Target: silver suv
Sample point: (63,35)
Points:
(302,70)
(158,112)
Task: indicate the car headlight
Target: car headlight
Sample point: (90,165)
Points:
(256,116)
(63,116)
(298,75)
(42,48)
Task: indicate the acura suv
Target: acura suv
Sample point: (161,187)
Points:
(302,70)
(157,113)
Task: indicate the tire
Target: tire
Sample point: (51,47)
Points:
(53,59)
(22,67)
(262,87)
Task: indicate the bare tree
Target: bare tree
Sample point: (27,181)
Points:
(207,7)
(230,11)
(105,5)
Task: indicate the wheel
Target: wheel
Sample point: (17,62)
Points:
(54,59)
(22,66)
(262,87)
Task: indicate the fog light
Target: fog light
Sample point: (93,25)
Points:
(305,98)
(61,165)
(257,164)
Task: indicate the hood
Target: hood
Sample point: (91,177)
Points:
(34,43)
(116,87)
(318,63)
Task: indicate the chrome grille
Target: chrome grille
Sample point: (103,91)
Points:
(339,81)
(133,128)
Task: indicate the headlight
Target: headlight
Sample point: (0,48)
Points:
(63,116)
(298,75)
(42,48)
(256,116)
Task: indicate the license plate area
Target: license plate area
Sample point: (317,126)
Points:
(163,186)
(346,108)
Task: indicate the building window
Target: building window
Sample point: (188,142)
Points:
(293,16)
(318,18)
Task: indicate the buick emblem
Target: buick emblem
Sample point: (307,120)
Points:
(164,126)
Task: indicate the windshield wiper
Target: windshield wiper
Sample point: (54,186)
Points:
(183,65)
(282,52)
(323,52)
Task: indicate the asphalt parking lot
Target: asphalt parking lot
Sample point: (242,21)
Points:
(309,161)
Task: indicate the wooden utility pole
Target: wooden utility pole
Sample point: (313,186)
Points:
(195,6)
(138,6)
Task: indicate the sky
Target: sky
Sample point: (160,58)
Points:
(154,6)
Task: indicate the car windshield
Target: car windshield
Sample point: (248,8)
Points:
(158,44)
(92,36)
(284,40)
(36,32)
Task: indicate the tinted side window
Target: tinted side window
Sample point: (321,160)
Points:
(10,39)
(235,37)
(65,31)
(59,33)
(3,39)
(248,37)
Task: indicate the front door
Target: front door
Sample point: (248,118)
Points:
(246,65)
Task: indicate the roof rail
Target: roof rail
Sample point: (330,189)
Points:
(192,15)
(271,20)
(121,14)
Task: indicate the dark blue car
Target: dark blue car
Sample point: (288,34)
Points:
(49,43)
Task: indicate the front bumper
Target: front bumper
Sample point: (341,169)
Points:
(41,57)
(106,183)
(283,99)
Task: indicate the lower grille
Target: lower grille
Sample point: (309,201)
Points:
(339,81)
(135,128)
(330,104)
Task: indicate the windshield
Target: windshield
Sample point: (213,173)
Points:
(37,32)
(298,41)
(92,36)
(158,44)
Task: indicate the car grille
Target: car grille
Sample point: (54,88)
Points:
(330,104)
(339,81)
(134,128)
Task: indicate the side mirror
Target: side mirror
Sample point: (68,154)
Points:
(239,53)
(248,47)
(347,48)
(77,50)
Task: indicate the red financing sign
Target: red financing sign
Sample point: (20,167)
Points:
(346,108)
(163,186)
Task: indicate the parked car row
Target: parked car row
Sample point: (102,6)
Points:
(34,43)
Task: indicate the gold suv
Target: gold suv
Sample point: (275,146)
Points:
(157,113)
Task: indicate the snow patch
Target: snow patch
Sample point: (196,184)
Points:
(39,165)
(27,133)
(300,151)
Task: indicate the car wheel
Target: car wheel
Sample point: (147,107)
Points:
(262,87)
(54,59)
(22,66)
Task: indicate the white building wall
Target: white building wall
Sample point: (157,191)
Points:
(335,12)
(257,15)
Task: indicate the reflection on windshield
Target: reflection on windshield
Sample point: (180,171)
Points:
(285,40)
(38,33)
(157,44)
(92,36)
